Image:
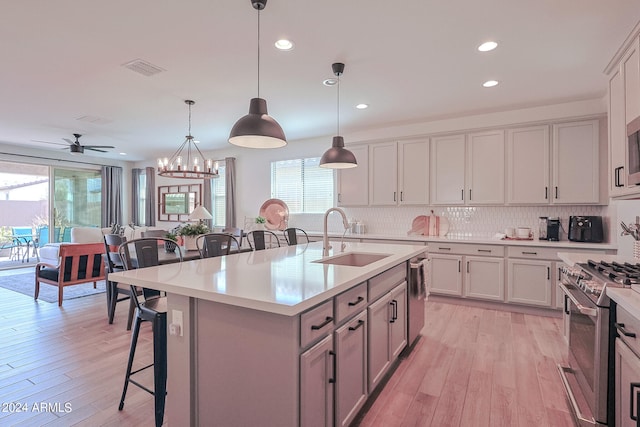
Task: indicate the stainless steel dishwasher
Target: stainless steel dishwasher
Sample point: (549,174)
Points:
(417,296)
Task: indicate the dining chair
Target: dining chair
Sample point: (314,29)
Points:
(215,244)
(262,239)
(153,233)
(236,232)
(292,234)
(115,292)
(153,308)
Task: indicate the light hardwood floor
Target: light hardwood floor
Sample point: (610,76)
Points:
(473,367)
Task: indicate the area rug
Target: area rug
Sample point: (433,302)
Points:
(25,284)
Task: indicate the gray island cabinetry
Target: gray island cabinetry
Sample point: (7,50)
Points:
(275,338)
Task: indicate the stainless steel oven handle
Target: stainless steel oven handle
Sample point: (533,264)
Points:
(581,308)
(576,410)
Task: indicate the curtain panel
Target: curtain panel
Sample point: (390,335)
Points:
(111,195)
(230,191)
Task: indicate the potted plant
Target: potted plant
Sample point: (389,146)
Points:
(190,233)
(171,246)
(260,222)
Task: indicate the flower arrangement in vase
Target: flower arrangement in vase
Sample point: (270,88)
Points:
(190,233)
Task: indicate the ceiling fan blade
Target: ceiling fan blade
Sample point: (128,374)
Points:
(99,146)
(48,142)
(69,141)
(88,147)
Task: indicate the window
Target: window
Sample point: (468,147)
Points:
(142,198)
(303,185)
(218,194)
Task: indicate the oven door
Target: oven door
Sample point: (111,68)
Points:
(585,378)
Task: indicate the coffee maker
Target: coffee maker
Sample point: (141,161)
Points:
(553,229)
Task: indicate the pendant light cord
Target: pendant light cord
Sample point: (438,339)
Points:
(338,134)
(258,53)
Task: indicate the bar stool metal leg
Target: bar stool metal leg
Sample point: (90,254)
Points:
(160,364)
(132,352)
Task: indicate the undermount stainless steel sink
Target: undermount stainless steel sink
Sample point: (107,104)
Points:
(353,259)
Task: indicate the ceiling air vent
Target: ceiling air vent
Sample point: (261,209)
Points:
(143,67)
(94,120)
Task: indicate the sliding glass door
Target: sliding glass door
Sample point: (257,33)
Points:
(76,201)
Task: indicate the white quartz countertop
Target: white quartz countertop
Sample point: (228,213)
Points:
(571,258)
(419,239)
(282,280)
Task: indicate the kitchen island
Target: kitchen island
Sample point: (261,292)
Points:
(254,344)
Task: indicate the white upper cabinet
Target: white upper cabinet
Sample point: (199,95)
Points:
(447,169)
(617,136)
(399,173)
(353,183)
(631,66)
(413,172)
(575,170)
(485,168)
(383,174)
(528,165)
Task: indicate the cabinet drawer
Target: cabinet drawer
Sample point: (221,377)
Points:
(535,252)
(384,282)
(316,323)
(350,302)
(628,323)
(466,249)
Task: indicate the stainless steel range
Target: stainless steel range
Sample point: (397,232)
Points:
(586,307)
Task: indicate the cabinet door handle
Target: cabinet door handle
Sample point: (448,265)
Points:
(463,194)
(548,273)
(546,192)
(360,323)
(459,266)
(327,320)
(394,196)
(394,311)
(556,192)
(617,176)
(401,196)
(632,386)
(485,250)
(620,328)
(566,304)
(332,380)
(356,302)
(529,253)
(467,266)
(443,249)
(339,199)
(469,194)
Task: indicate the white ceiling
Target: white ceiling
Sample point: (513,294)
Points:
(411,60)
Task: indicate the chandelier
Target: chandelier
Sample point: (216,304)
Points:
(188,161)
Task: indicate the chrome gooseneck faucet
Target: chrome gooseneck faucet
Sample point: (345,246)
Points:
(325,238)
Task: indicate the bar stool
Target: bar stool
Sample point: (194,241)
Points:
(258,240)
(153,309)
(291,235)
(216,244)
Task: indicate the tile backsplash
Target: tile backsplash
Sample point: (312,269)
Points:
(464,221)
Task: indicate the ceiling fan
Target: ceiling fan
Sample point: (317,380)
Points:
(76,148)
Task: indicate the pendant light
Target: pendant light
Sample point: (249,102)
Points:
(338,157)
(188,161)
(257,129)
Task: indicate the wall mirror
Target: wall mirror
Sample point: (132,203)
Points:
(176,202)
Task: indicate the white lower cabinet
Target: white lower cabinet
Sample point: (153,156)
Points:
(529,282)
(484,278)
(627,385)
(445,274)
(351,368)
(317,380)
(387,332)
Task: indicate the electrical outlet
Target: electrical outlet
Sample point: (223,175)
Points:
(176,327)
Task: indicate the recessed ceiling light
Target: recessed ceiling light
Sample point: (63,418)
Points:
(362,106)
(330,82)
(487,46)
(490,83)
(284,44)
(123,154)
